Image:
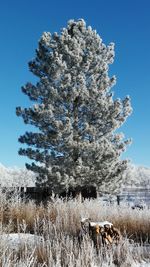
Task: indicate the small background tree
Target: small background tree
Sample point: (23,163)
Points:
(76,143)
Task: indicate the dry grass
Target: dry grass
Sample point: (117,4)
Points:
(59,222)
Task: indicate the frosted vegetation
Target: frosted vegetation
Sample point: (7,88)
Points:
(74,112)
(135,176)
(16,177)
(47,236)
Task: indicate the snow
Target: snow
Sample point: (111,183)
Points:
(92,223)
(101,224)
(84,219)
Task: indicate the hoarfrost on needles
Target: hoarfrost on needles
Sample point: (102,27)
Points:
(75,112)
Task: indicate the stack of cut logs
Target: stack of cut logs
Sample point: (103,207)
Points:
(102,233)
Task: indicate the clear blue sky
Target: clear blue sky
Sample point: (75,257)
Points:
(127,23)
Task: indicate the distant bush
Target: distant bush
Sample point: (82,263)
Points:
(16,177)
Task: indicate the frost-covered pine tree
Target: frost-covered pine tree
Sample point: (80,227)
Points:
(76,117)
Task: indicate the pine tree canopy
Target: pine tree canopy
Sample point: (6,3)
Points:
(75,115)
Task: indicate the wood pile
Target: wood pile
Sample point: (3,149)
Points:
(102,233)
